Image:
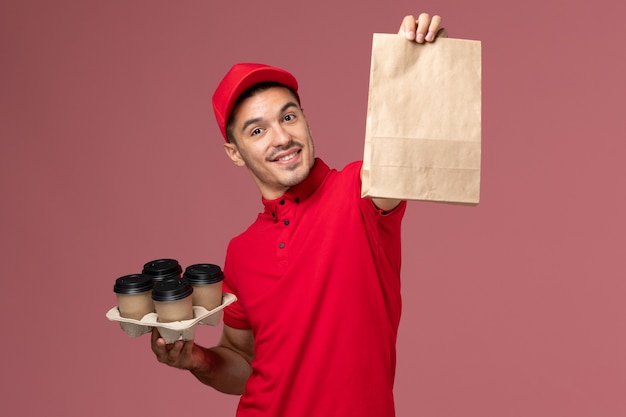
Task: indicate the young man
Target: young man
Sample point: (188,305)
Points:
(317,275)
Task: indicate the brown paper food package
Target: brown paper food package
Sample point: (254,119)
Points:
(423,128)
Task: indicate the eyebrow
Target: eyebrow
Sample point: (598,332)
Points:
(258,119)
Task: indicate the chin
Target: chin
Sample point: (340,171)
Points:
(297,176)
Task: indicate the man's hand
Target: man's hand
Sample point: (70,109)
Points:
(180,354)
(225,367)
(423,29)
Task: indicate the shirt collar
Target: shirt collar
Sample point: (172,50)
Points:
(302,191)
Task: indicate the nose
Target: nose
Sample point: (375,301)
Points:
(281,136)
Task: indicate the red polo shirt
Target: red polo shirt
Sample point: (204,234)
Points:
(317,277)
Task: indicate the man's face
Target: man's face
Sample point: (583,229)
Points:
(273,140)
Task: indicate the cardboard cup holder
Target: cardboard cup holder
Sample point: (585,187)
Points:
(173,331)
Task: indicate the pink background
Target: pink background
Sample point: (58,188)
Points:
(110,157)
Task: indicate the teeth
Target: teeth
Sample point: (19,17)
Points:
(288,157)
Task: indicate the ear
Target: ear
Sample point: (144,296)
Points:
(233,153)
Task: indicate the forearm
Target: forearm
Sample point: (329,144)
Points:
(223,369)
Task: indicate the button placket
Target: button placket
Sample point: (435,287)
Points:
(285,209)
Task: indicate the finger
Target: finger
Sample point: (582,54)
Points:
(423,23)
(159,348)
(155,340)
(408,26)
(175,348)
(433,28)
(187,348)
(173,352)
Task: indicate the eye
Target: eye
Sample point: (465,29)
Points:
(289,117)
(255,132)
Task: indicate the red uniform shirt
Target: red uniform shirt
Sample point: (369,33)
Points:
(317,277)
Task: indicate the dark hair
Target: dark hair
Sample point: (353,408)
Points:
(252,91)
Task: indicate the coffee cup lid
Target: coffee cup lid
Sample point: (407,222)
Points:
(162,268)
(132,284)
(200,274)
(171,289)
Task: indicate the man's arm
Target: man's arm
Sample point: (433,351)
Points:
(423,29)
(225,367)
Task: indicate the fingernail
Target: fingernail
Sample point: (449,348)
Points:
(410,35)
(429,36)
(420,37)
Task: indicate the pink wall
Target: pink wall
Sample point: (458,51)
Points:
(110,157)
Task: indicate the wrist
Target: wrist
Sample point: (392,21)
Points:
(200,365)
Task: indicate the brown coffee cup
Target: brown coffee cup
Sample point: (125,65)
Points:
(206,280)
(134,296)
(161,269)
(172,300)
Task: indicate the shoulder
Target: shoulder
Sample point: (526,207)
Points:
(350,173)
(249,234)
(353,168)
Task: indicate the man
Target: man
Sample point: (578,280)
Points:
(317,275)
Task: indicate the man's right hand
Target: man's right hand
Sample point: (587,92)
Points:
(182,354)
(225,367)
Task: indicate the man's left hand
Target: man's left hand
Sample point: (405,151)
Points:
(425,28)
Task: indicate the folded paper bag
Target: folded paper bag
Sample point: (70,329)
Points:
(423,128)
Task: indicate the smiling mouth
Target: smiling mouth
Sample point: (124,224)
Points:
(287,157)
